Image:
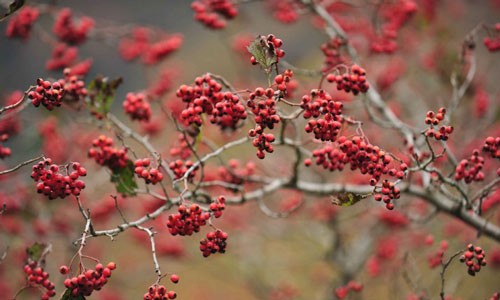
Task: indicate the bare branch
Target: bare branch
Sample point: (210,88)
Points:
(29,161)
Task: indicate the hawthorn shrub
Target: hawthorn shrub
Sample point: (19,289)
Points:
(274,149)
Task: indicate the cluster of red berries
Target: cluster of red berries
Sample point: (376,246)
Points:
(262,141)
(74,88)
(283,82)
(469,256)
(436,259)
(388,193)
(180,168)
(492,146)
(433,119)
(228,112)
(38,277)
(218,206)
(66,30)
(353,80)
(47,93)
(264,110)
(493,43)
(4,151)
(159,292)
(470,169)
(105,155)
(62,56)
(234,174)
(212,12)
(331,50)
(206,96)
(54,184)
(187,220)
(20,24)
(272,46)
(343,291)
(360,154)
(150,175)
(137,106)
(89,281)
(266,116)
(326,112)
(495,296)
(214,242)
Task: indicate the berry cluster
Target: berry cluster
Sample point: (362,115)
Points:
(4,151)
(353,80)
(187,220)
(360,154)
(180,167)
(469,256)
(62,56)
(433,119)
(470,169)
(105,155)
(150,175)
(342,291)
(47,93)
(495,296)
(262,141)
(212,12)
(214,242)
(326,112)
(20,24)
(493,43)
(271,45)
(218,206)
(234,174)
(284,83)
(206,96)
(388,193)
(331,50)
(89,281)
(159,292)
(492,146)
(74,88)
(266,116)
(264,110)
(137,107)
(54,184)
(228,112)
(66,30)
(38,277)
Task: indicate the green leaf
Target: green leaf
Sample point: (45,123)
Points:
(348,199)
(263,53)
(67,296)
(37,251)
(124,179)
(13,7)
(101,92)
